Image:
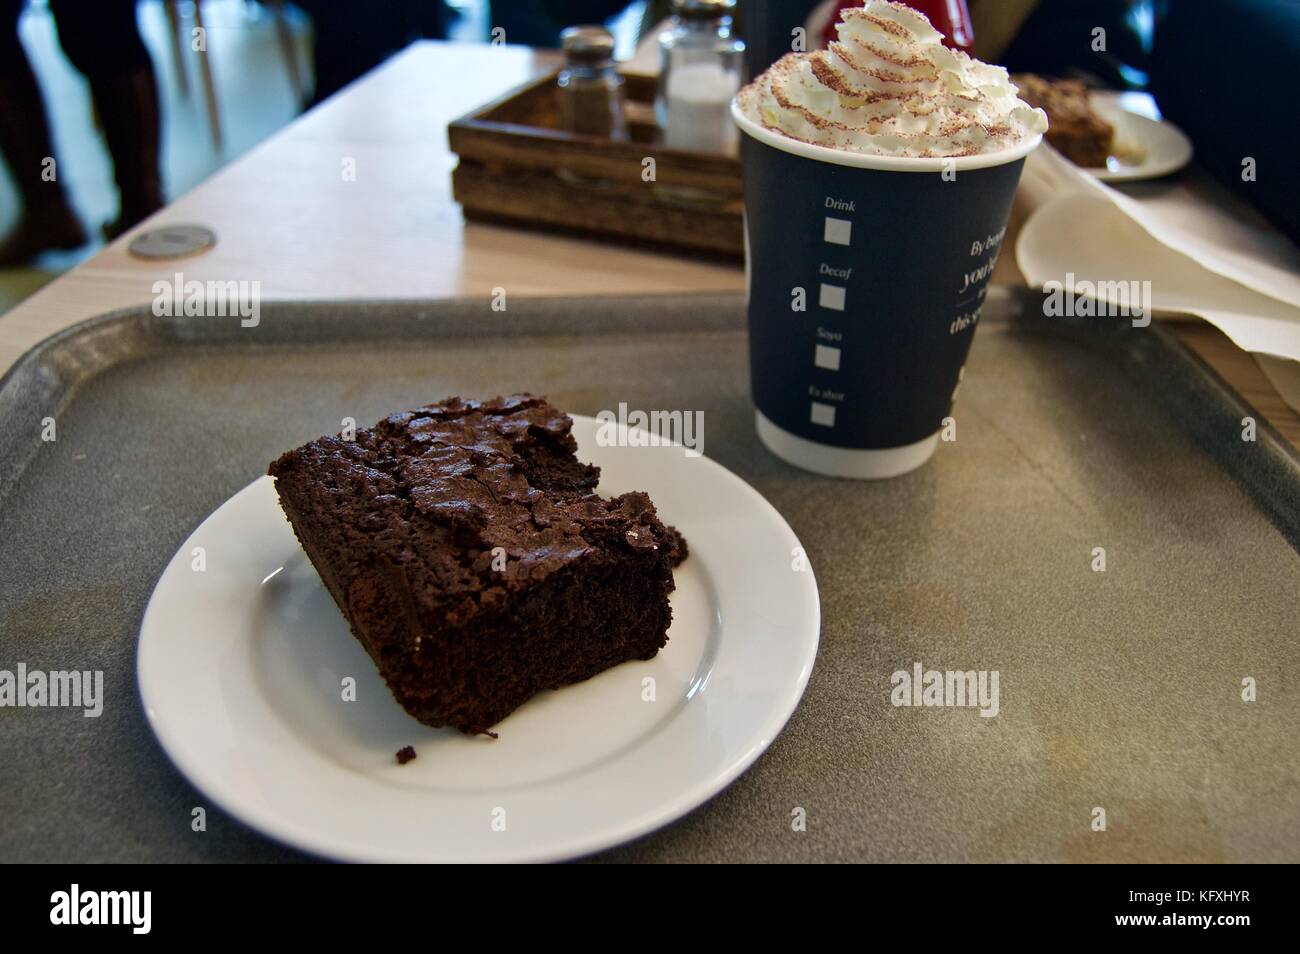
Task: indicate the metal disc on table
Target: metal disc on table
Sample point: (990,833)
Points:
(173,241)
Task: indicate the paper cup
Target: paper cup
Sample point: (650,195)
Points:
(866,275)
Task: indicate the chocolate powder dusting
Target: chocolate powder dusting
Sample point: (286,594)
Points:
(887,86)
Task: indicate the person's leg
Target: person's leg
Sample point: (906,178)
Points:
(352,39)
(47,220)
(102,41)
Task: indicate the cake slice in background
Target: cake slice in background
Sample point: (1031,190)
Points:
(1075,130)
(466,546)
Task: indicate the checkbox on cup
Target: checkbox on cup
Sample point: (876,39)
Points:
(832,297)
(823,414)
(826,357)
(837,231)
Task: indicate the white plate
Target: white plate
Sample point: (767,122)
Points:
(1161,146)
(241,667)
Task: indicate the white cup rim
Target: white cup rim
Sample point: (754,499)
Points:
(840,157)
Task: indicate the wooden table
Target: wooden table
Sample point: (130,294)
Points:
(289,216)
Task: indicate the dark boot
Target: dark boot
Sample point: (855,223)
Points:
(128,111)
(47,220)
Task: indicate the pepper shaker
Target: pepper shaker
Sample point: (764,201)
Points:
(589,88)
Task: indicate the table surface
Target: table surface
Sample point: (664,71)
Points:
(287,216)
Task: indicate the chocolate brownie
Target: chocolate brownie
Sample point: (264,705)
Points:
(1075,130)
(466,547)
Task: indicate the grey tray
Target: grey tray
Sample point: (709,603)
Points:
(1119,690)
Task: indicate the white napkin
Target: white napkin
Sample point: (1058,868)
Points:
(1204,251)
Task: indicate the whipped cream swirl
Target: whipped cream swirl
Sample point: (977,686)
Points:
(888,86)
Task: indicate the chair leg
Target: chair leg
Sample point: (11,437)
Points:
(177,45)
(209,87)
(288,51)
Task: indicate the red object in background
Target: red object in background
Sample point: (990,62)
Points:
(949,17)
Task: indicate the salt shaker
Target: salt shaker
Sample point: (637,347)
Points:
(589,88)
(702,68)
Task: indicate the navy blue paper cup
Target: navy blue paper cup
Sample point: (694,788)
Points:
(866,276)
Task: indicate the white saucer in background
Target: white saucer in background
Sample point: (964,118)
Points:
(1157,147)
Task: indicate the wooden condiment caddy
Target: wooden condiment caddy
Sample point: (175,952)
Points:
(518,167)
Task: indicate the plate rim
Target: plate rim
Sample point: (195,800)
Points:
(1112,102)
(317,842)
